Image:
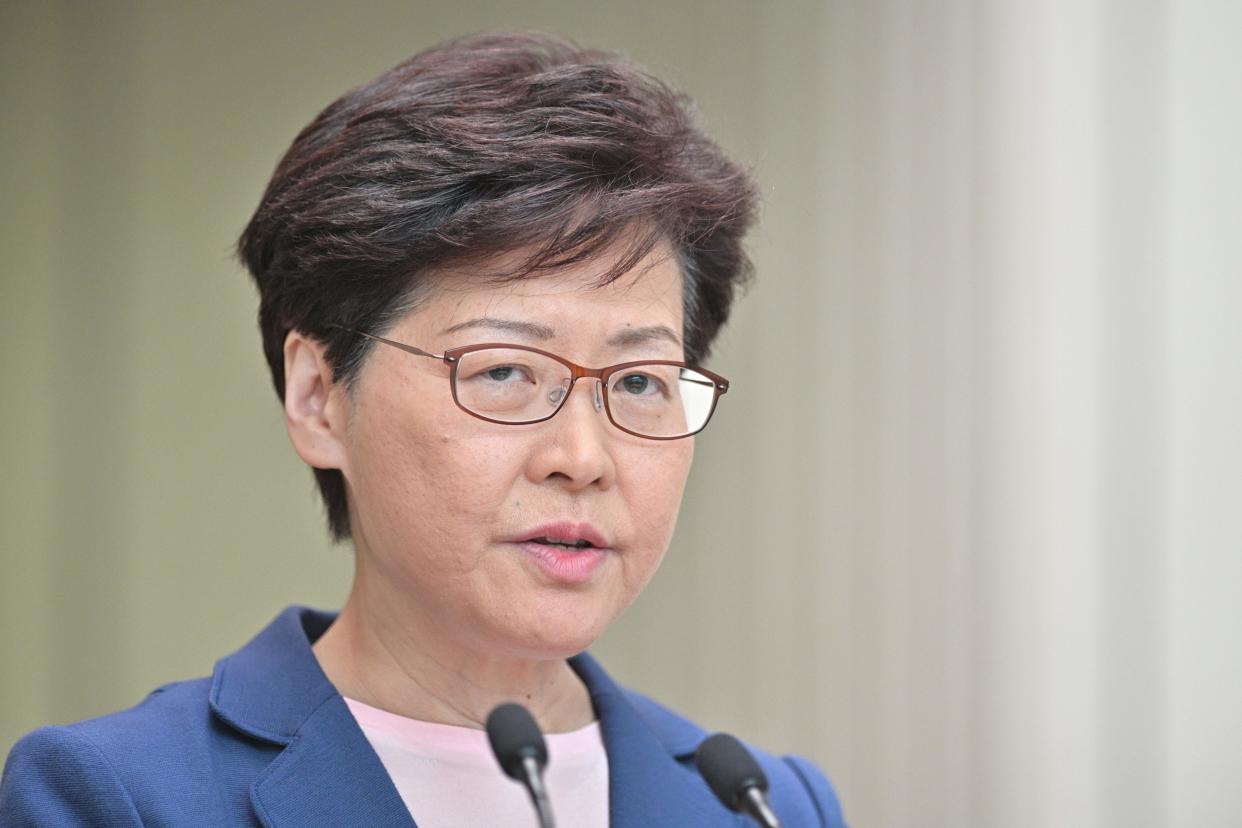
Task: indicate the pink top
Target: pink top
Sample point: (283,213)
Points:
(448,777)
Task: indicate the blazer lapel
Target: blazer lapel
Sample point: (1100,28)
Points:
(328,775)
(652,781)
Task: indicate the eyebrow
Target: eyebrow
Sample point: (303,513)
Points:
(626,338)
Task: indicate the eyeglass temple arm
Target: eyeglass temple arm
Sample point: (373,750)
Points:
(407,348)
(722,386)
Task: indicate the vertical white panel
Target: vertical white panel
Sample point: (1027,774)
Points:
(1043,409)
(1132,168)
(1205,440)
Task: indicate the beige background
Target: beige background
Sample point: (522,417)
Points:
(965,531)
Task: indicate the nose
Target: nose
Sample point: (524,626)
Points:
(575,446)
(598,396)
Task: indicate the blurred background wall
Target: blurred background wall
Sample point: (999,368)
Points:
(967,529)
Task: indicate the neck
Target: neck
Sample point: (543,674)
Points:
(406,666)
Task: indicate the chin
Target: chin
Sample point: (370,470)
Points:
(558,635)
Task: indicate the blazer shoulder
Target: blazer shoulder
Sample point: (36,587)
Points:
(169,721)
(57,776)
(105,770)
(799,790)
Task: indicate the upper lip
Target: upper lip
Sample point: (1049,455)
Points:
(564,531)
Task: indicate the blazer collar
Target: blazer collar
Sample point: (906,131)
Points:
(651,780)
(269,687)
(274,690)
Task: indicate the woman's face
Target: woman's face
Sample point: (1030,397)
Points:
(437,497)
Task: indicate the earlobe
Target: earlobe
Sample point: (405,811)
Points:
(313,416)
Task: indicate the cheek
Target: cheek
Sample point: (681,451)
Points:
(656,489)
(422,485)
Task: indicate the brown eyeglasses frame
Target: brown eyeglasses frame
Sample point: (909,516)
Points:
(452,358)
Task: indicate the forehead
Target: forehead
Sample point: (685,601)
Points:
(650,291)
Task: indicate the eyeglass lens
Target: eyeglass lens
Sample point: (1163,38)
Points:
(516,386)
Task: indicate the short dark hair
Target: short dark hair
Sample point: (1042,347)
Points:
(478,146)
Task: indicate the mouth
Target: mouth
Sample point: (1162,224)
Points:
(565,552)
(576,545)
(564,535)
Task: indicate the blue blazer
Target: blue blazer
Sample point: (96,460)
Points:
(268,740)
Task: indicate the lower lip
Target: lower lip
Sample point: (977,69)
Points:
(571,567)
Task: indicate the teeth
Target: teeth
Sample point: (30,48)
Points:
(576,545)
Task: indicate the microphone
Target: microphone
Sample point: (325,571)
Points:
(518,746)
(736,778)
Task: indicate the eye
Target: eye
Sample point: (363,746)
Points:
(639,385)
(502,372)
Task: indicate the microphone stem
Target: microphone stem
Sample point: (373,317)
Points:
(756,804)
(538,793)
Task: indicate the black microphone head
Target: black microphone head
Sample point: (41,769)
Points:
(729,769)
(514,736)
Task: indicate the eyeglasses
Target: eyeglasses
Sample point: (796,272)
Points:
(517,385)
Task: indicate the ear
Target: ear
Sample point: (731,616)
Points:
(316,409)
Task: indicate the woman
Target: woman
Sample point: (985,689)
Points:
(438,255)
